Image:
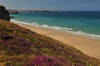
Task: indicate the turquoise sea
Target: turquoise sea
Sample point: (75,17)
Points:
(86,23)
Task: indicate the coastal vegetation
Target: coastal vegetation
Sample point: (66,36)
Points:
(22,47)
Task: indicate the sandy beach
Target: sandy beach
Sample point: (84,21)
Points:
(86,45)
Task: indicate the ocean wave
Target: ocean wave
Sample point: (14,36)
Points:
(70,30)
(56,27)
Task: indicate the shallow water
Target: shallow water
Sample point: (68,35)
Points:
(78,22)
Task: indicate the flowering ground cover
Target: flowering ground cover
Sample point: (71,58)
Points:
(22,47)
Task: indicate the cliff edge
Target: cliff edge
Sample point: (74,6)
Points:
(4,15)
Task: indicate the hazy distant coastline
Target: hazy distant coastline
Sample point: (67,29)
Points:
(18,11)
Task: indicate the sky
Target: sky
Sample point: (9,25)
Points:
(52,4)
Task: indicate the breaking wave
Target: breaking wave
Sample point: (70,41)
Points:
(70,30)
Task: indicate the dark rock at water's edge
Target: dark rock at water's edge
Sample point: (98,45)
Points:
(4,15)
(11,11)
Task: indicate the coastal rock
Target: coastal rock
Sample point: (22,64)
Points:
(4,15)
(13,11)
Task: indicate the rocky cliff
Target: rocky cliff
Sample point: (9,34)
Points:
(4,15)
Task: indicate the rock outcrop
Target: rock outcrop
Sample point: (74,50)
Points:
(4,15)
(11,11)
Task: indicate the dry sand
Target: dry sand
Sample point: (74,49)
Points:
(90,47)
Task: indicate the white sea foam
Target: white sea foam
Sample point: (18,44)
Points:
(70,30)
(23,22)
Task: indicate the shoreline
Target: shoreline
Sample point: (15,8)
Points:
(68,30)
(86,45)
